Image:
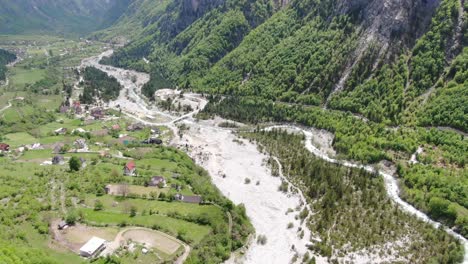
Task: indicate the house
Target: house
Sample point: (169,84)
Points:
(135,127)
(97,113)
(35,146)
(57,148)
(93,247)
(64,109)
(157,181)
(195,199)
(60,131)
(77,108)
(116,127)
(78,130)
(58,160)
(130,169)
(62,225)
(81,144)
(4,147)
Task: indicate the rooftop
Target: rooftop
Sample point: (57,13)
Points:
(92,245)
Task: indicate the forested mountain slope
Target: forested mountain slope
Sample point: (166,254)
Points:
(399,66)
(373,58)
(5,58)
(58,16)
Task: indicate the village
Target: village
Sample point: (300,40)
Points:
(88,136)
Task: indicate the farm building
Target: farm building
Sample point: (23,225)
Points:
(157,181)
(93,247)
(130,168)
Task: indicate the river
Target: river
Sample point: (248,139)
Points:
(230,161)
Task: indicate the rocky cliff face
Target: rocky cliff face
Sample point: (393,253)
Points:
(391,19)
(388,25)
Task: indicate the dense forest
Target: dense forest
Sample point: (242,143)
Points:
(442,176)
(5,58)
(98,85)
(342,195)
(447,106)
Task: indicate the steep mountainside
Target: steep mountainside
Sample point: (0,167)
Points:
(309,52)
(375,73)
(58,16)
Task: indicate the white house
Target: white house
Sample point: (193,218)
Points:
(93,247)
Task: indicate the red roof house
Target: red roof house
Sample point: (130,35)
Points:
(130,168)
(4,147)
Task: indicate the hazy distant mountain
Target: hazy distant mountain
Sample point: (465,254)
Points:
(58,16)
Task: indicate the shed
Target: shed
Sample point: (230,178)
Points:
(93,247)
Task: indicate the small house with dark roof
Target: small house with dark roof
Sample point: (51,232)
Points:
(135,127)
(97,113)
(130,168)
(153,141)
(195,199)
(157,181)
(58,160)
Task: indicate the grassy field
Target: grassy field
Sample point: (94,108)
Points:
(161,207)
(20,138)
(137,189)
(167,224)
(20,77)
